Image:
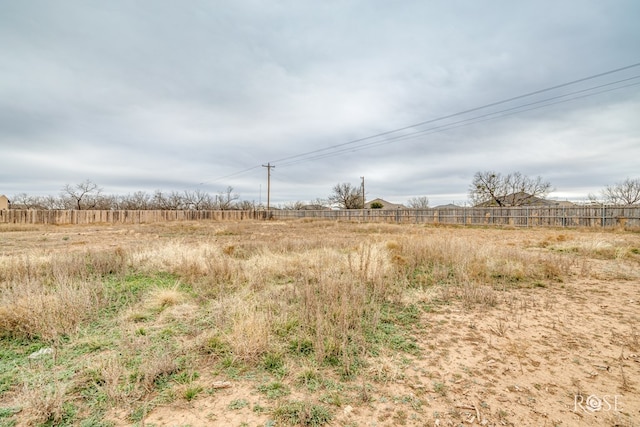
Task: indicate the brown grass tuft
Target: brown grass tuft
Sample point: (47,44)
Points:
(33,309)
(250,332)
(43,403)
(161,298)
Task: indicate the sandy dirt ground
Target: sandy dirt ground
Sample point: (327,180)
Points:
(561,354)
(563,357)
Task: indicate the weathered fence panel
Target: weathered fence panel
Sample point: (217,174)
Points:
(62,217)
(533,216)
(538,216)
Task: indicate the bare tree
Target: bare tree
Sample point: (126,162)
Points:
(225,200)
(170,201)
(198,200)
(514,189)
(626,192)
(421,202)
(320,203)
(25,201)
(246,205)
(52,202)
(104,202)
(293,206)
(136,201)
(158,201)
(81,196)
(347,196)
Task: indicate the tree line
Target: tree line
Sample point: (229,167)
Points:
(88,195)
(488,188)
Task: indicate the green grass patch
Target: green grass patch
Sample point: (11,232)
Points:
(393,330)
(301,346)
(134,285)
(310,379)
(192,392)
(238,404)
(300,413)
(274,363)
(216,346)
(274,390)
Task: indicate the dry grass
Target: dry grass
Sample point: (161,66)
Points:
(249,330)
(46,295)
(161,298)
(111,376)
(450,259)
(308,302)
(44,403)
(34,309)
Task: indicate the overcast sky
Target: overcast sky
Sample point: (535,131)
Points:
(167,95)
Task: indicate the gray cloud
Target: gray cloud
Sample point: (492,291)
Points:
(158,95)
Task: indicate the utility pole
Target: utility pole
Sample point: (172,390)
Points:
(268,166)
(363,200)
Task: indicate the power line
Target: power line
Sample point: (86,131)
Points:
(460,113)
(466,122)
(231,175)
(337,149)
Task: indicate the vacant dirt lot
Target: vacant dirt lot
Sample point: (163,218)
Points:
(464,326)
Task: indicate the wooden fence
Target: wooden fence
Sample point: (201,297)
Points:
(575,216)
(61,217)
(538,216)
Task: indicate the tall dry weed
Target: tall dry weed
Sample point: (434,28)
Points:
(58,267)
(340,297)
(436,259)
(204,266)
(473,294)
(34,309)
(112,374)
(455,260)
(88,265)
(250,333)
(322,295)
(43,403)
(24,267)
